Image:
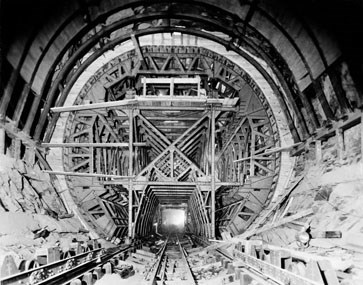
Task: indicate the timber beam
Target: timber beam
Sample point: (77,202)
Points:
(75,144)
(167,183)
(137,104)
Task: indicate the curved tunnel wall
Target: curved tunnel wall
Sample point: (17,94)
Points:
(294,55)
(297,48)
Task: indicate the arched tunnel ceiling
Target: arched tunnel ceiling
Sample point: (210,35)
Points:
(295,53)
(269,56)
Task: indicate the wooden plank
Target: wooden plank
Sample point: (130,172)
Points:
(85,174)
(340,143)
(102,105)
(152,127)
(193,80)
(284,221)
(140,55)
(172,145)
(270,151)
(138,100)
(75,144)
(269,211)
(318,151)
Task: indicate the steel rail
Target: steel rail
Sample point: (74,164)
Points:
(188,269)
(156,266)
(82,269)
(66,269)
(253,272)
(159,270)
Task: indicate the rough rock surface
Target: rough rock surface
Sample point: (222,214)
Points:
(29,202)
(17,237)
(25,188)
(332,187)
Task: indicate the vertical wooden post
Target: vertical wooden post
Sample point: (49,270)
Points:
(340,143)
(32,113)
(171,163)
(171,87)
(91,157)
(30,155)
(17,148)
(2,141)
(2,114)
(1,45)
(5,100)
(213,178)
(252,154)
(318,151)
(21,104)
(131,133)
(143,80)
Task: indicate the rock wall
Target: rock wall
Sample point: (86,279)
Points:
(29,202)
(25,188)
(333,188)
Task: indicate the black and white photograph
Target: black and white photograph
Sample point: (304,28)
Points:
(181,142)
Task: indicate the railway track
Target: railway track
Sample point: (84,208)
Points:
(172,266)
(78,269)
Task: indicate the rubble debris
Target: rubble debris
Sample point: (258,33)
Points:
(124,270)
(66,216)
(41,233)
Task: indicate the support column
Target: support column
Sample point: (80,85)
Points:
(21,104)
(252,154)
(318,151)
(17,148)
(131,133)
(172,163)
(213,178)
(2,141)
(340,143)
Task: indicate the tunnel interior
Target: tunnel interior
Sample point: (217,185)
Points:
(223,121)
(172,220)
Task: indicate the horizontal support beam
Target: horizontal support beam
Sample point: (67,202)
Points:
(86,174)
(136,103)
(171,183)
(230,205)
(150,118)
(282,222)
(236,184)
(184,108)
(150,183)
(194,80)
(169,188)
(102,105)
(269,151)
(176,192)
(327,132)
(55,145)
(172,72)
